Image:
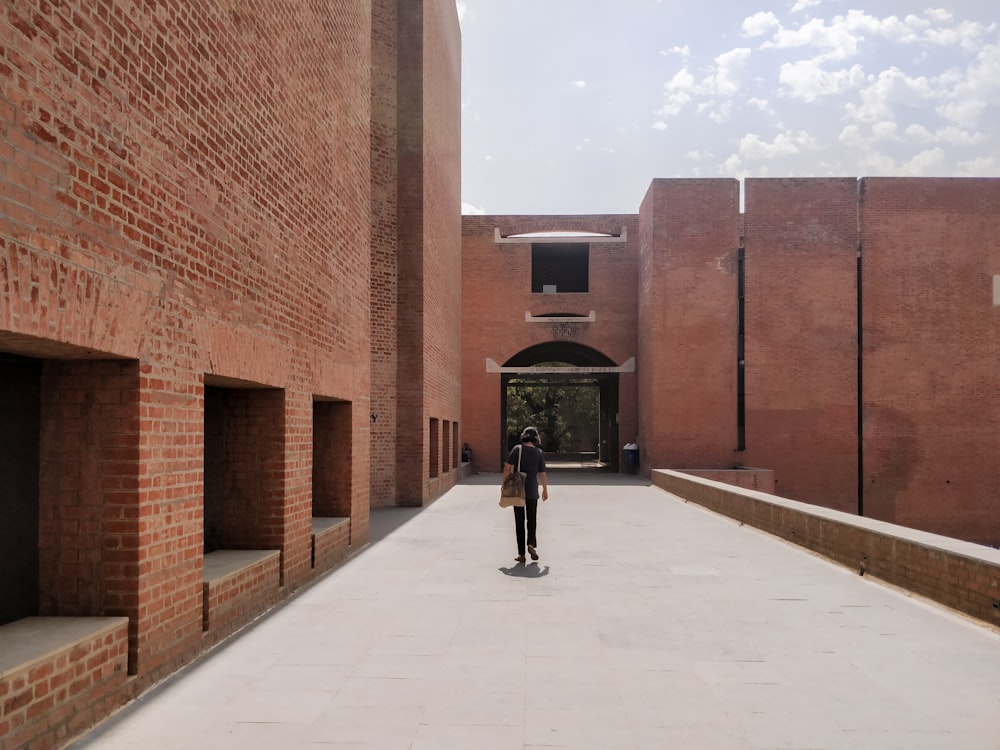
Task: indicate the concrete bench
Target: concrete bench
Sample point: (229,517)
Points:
(237,585)
(331,540)
(958,574)
(59,675)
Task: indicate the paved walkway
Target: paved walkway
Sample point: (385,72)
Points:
(648,624)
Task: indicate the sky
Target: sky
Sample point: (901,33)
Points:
(575,106)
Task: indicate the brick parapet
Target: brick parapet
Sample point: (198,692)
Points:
(958,574)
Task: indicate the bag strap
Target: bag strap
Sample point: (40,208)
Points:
(520,449)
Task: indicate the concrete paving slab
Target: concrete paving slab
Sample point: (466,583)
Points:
(647,623)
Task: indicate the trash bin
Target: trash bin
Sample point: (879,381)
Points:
(631,458)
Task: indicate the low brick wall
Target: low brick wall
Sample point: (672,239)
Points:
(960,575)
(331,541)
(58,676)
(238,584)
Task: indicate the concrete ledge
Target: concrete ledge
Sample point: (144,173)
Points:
(331,541)
(237,585)
(748,479)
(958,574)
(59,675)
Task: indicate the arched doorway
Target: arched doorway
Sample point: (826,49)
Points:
(571,393)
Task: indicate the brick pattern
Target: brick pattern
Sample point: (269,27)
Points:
(496,293)
(187,195)
(50,700)
(331,545)
(230,600)
(801,336)
(89,531)
(687,304)
(930,350)
(384,231)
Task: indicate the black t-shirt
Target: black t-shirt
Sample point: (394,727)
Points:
(532,463)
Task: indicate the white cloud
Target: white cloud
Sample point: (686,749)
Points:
(753,148)
(762,104)
(721,113)
(807,80)
(730,64)
(684,51)
(981,166)
(886,130)
(925,164)
(760,23)
(469,210)
(580,84)
(801,5)
(659,125)
(678,95)
(891,87)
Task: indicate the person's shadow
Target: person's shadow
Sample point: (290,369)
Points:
(531,570)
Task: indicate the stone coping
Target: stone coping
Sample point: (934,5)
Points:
(325,523)
(33,640)
(223,563)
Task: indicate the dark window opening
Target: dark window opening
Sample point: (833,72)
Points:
(560,269)
(244,466)
(741,409)
(20,426)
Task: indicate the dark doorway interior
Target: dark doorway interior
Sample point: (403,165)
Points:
(20,417)
(564,390)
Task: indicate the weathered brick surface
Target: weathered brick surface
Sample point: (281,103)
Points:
(55,695)
(801,336)
(930,353)
(230,600)
(687,302)
(496,294)
(331,545)
(200,198)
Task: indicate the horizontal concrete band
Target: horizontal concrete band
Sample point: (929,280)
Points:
(960,575)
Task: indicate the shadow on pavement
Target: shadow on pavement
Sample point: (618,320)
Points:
(531,570)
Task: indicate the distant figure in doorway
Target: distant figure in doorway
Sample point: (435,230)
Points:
(532,462)
(466,452)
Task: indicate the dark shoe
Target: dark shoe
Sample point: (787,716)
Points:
(519,558)
(532,552)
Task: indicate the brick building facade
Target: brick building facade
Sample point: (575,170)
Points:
(842,333)
(223,231)
(240,308)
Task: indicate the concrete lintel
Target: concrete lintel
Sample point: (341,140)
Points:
(562,239)
(529,318)
(493,367)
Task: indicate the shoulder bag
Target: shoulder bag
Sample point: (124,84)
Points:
(512,489)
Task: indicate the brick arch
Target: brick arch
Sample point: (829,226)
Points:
(570,352)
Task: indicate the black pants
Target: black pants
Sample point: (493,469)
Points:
(530,513)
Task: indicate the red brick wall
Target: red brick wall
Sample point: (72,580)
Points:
(496,293)
(56,696)
(89,529)
(428,251)
(188,187)
(384,171)
(442,225)
(244,461)
(930,353)
(801,337)
(687,302)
